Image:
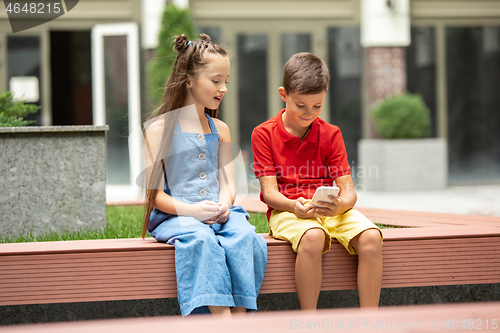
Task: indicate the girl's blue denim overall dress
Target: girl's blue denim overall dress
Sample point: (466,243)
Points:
(219,264)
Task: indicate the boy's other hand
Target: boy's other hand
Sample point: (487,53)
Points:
(328,208)
(302,209)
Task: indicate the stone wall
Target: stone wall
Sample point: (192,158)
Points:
(52,179)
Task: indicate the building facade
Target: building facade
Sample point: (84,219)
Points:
(58,53)
(453,61)
(58,60)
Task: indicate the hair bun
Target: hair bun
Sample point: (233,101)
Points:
(205,38)
(181,43)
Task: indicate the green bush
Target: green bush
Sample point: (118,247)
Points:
(12,112)
(402,116)
(174,22)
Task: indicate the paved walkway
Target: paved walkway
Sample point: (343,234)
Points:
(475,200)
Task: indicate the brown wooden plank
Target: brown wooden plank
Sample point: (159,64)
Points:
(85,270)
(434,282)
(438,233)
(443,250)
(413,238)
(456,256)
(89,256)
(100,286)
(136,291)
(472,275)
(443,265)
(91,297)
(460,269)
(455,259)
(101,245)
(86,283)
(115,269)
(112,261)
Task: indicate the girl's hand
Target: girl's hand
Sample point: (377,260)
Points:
(328,208)
(224,215)
(206,211)
(303,210)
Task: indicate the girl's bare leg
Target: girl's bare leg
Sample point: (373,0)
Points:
(220,311)
(239,310)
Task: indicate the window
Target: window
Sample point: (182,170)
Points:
(292,44)
(252,83)
(23,61)
(117,152)
(473,78)
(421,68)
(345,65)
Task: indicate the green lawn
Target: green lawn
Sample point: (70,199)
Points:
(123,222)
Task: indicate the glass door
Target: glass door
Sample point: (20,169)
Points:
(116,103)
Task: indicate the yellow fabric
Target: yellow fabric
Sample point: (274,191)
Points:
(343,227)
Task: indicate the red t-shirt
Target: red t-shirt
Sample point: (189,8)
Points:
(299,167)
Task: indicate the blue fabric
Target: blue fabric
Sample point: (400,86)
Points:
(220,264)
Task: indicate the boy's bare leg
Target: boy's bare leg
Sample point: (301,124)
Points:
(368,244)
(308,268)
(220,311)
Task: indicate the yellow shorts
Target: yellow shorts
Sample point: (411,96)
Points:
(343,227)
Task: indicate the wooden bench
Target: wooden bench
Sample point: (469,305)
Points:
(423,318)
(438,249)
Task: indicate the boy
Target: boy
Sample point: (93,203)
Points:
(296,152)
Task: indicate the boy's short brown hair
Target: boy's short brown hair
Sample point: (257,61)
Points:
(305,74)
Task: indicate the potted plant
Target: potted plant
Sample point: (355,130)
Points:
(404,156)
(12,112)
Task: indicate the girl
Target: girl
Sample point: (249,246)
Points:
(219,259)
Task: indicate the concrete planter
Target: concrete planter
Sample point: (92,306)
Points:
(403,164)
(52,179)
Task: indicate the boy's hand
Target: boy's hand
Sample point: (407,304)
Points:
(327,208)
(303,210)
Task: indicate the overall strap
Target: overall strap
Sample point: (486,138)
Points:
(212,124)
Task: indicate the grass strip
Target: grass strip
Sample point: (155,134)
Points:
(122,222)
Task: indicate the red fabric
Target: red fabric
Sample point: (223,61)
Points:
(299,167)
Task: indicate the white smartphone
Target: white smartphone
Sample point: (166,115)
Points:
(322,194)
